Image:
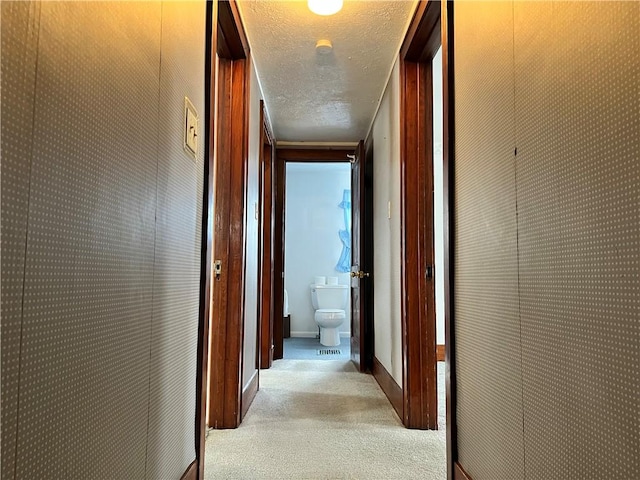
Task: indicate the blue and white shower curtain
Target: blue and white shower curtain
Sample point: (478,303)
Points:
(344,263)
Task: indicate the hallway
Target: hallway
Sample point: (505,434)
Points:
(295,429)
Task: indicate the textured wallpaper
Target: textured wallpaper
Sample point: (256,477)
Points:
(486,269)
(100,221)
(20,25)
(547,250)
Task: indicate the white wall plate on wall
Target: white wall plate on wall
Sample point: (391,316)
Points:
(190,128)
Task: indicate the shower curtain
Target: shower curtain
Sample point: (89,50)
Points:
(344,263)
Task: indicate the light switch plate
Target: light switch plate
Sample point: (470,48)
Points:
(190,128)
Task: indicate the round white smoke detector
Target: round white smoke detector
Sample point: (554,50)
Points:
(324,46)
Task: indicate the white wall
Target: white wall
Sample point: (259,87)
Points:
(312,245)
(386,188)
(251,272)
(438,194)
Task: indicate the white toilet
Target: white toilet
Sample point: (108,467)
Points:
(329,302)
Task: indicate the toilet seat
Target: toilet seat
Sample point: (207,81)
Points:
(329,310)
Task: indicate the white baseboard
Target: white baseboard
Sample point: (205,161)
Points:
(314,334)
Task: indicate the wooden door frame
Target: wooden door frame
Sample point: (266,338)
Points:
(420,402)
(226,81)
(431,26)
(282,157)
(266,231)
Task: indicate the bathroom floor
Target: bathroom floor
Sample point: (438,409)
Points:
(311,349)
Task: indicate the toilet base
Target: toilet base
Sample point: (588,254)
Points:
(329,337)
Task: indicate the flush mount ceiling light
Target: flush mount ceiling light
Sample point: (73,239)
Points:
(324,7)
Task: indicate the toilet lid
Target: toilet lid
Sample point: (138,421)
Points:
(330,310)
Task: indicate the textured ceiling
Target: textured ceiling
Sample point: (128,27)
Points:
(315,97)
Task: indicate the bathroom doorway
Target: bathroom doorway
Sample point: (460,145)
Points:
(317,250)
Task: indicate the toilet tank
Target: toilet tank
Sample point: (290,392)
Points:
(329,296)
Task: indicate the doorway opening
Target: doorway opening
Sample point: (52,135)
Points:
(317,261)
(419,353)
(346,213)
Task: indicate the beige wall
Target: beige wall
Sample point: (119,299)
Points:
(101,213)
(546,240)
(250,351)
(386,187)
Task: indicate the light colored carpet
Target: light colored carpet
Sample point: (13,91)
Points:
(322,420)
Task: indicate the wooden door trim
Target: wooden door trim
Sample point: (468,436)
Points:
(283,156)
(388,385)
(278,255)
(229,243)
(418,321)
(314,155)
(459,473)
(249,393)
(232,40)
(416,211)
(267,230)
(191,473)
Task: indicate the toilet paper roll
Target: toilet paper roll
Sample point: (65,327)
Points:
(332,280)
(320,280)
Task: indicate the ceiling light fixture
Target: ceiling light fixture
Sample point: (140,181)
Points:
(324,7)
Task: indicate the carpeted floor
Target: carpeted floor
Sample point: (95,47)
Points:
(323,420)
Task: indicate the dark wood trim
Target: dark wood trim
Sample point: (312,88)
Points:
(229,246)
(418,321)
(249,393)
(440,353)
(314,155)
(233,44)
(416,158)
(191,473)
(279,178)
(266,229)
(389,386)
(459,473)
(219,296)
(423,37)
(281,157)
(206,244)
(448,96)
